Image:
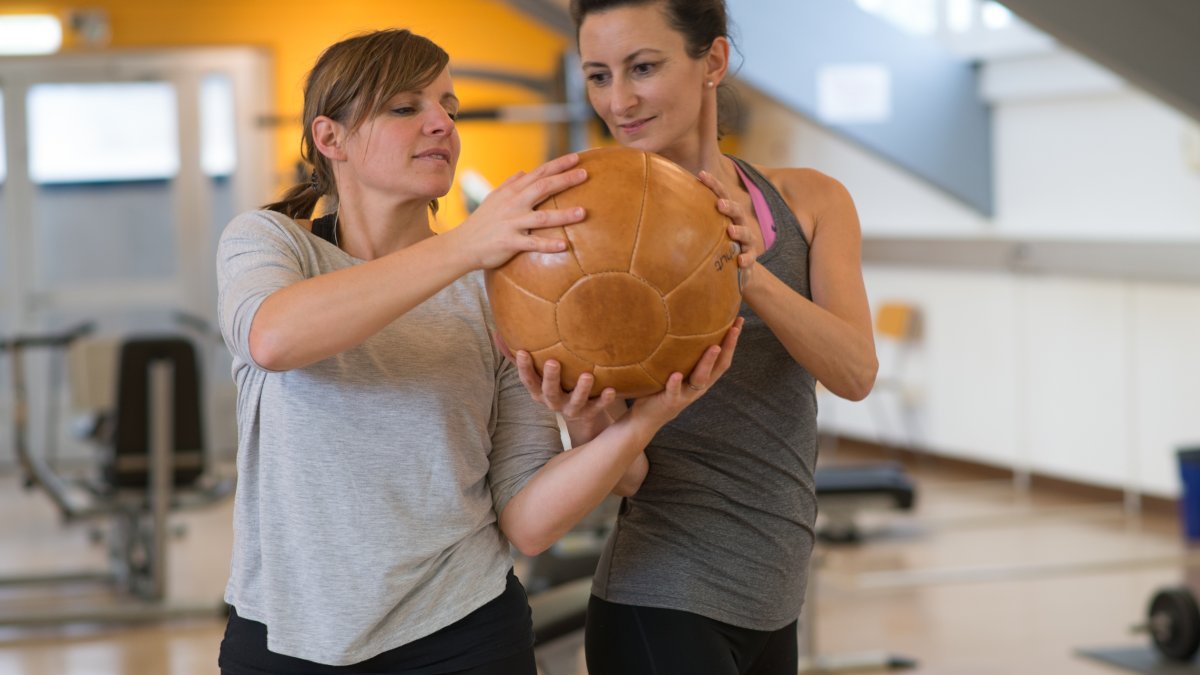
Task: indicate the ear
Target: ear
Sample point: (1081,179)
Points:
(327,137)
(716,62)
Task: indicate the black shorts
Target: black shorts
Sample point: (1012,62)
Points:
(496,639)
(634,640)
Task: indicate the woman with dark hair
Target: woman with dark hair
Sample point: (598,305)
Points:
(387,452)
(706,569)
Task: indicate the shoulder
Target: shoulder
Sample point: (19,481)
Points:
(814,197)
(262,221)
(263,232)
(265,224)
(801,185)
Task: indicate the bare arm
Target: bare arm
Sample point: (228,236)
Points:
(358,301)
(585,418)
(361,300)
(587,429)
(572,484)
(831,334)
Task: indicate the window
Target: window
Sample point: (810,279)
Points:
(218,151)
(104,132)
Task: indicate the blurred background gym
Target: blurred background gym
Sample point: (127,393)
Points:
(1010,498)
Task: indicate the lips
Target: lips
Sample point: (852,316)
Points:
(435,153)
(635,126)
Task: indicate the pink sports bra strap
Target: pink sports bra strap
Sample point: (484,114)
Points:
(766,220)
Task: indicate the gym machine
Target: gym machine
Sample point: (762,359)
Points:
(155,465)
(845,491)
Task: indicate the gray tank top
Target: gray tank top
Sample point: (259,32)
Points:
(723,524)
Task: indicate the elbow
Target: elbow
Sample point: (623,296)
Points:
(864,382)
(267,350)
(530,551)
(858,383)
(856,393)
(629,485)
(529,540)
(528,545)
(626,490)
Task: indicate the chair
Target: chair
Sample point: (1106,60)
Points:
(897,334)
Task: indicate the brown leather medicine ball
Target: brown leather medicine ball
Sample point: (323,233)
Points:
(649,279)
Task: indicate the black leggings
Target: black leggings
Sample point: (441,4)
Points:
(634,640)
(258,661)
(496,639)
(521,663)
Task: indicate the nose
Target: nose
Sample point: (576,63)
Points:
(623,97)
(439,122)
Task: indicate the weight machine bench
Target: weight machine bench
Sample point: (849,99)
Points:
(845,491)
(155,464)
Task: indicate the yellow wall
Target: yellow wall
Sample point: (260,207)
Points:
(480,33)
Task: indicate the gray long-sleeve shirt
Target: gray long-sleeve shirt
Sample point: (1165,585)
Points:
(369,482)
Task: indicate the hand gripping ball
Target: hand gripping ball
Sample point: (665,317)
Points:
(649,279)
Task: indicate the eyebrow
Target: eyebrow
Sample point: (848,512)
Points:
(632,57)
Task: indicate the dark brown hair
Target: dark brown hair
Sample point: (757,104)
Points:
(700,22)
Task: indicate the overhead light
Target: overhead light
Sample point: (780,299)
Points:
(30,34)
(959,15)
(995,15)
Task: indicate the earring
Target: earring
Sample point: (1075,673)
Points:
(710,84)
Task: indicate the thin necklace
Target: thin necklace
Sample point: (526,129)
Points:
(335,219)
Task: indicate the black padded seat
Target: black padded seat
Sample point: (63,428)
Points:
(129,467)
(844,491)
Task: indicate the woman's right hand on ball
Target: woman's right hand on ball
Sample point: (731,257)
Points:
(682,391)
(506,223)
(547,389)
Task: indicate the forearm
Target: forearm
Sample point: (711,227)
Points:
(838,354)
(318,317)
(582,431)
(574,483)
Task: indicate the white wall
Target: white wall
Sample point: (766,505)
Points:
(1096,380)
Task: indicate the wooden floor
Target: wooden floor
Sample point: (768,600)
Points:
(980,579)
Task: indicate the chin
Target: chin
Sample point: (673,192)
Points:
(440,186)
(642,143)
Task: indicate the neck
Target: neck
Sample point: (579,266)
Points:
(701,151)
(704,154)
(368,233)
